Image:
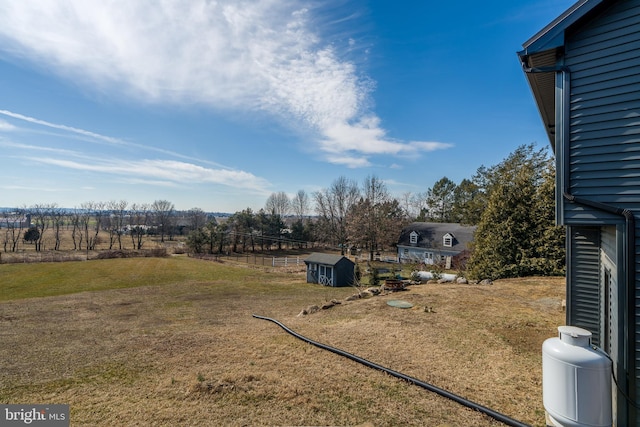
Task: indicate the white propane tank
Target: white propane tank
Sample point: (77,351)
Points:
(576,380)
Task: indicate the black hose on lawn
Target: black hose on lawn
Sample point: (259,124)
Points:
(475,406)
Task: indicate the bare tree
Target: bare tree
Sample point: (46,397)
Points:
(40,220)
(115,226)
(84,224)
(163,211)
(98,216)
(139,219)
(332,206)
(278,204)
(76,230)
(382,233)
(14,222)
(57,222)
(197,218)
(371,216)
(375,221)
(412,204)
(91,216)
(300,229)
(300,204)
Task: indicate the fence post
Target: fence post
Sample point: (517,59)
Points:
(285,261)
(273,262)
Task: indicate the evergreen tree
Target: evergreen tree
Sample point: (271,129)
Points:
(467,203)
(440,199)
(31,235)
(274,229)
(197,241)
(516,235)
(207,238)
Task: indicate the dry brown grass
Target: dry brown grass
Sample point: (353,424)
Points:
(192,354)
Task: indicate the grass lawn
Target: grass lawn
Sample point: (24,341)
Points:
(171,341)
(60,278)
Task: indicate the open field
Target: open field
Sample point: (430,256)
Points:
(171,341)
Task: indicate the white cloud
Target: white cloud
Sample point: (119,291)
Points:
(164,172)
(24,147)
(62,127)
(228,54)
(12,187)
(348,161)
(6,126)
(88,136)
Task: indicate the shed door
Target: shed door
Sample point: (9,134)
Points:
(326,275)
(312,273)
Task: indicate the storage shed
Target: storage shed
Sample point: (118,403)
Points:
(329,270)
(584,71)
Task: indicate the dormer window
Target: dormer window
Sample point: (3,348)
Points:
(447,240)
(413,238)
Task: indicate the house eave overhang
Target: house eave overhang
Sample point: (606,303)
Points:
(543,51)
(553,35)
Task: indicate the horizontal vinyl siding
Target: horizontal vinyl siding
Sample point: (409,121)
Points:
(604,135)
(584,280)
(603,150)
(604,114)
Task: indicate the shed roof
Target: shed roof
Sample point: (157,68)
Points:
(540,54)
(326,259)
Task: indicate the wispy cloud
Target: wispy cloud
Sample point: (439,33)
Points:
(31,147)
(63,127)
(6,126)
(231,54)
(163,172)
(91,136)
(156,172)
(35,189)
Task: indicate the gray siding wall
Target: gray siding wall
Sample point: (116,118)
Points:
(604,134)
(343,273)
(604,59)
(583,280)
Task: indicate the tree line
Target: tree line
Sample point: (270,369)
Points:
(511,203)
(121,221)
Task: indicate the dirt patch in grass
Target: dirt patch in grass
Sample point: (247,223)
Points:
(190,353)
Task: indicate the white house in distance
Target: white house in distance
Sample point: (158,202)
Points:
(434,242)
(15,220)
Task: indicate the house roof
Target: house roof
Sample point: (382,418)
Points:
(540,54)
(326,259)
(430,235)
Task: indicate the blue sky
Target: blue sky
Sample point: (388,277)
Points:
(218,104)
